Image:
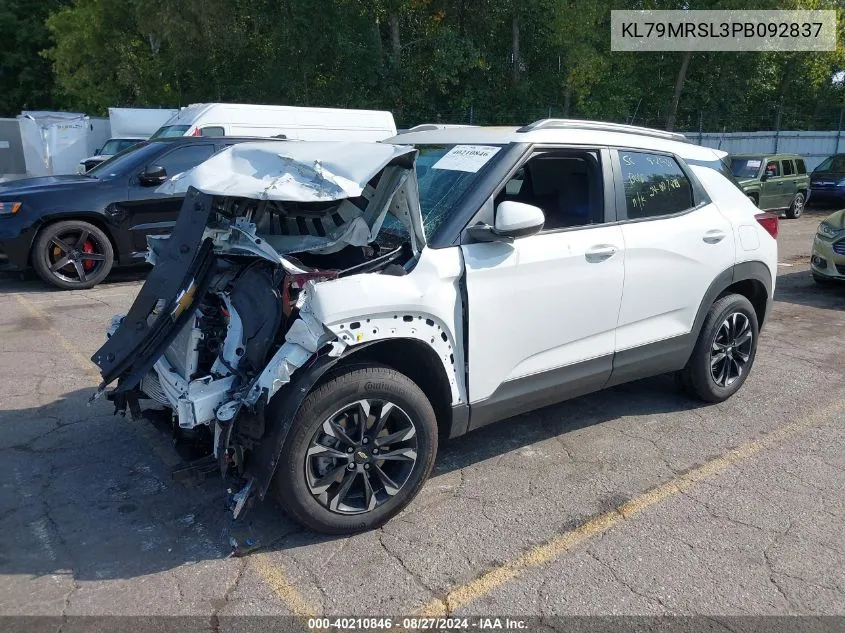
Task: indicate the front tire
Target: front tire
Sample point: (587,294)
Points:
(360,449)
(725,350)
(72,255)
(797,207)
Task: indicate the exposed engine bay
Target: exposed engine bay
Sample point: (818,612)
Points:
(226,318)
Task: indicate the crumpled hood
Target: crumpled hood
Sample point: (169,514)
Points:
(294,171)
(314,172)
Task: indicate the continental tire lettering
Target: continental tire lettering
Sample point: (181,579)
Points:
(376,386)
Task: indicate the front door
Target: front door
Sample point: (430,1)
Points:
(542,310)
(772,189)
(148,212)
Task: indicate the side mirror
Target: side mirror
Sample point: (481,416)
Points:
(513,219)
(152,175)
(517,219)
(97,151)
(764,177)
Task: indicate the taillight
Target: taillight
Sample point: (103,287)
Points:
(768,221)
(196,132)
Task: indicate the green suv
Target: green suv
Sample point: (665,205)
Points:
(773,181)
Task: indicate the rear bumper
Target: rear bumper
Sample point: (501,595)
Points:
(830,194)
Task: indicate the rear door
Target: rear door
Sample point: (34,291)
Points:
(676,243)
(790,181)
(148,212)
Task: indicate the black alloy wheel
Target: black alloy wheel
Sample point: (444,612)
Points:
(361,456)
(72,255)
(358,451)
(724,353)
(731,349)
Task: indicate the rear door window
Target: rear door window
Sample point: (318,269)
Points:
(788,169)
(655,185)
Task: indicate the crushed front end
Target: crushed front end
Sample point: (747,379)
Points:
(223,321)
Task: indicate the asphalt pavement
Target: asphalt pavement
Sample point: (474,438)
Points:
(636,500)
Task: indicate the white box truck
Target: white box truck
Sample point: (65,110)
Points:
(295,123)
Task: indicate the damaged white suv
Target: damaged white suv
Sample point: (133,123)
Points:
(323,312)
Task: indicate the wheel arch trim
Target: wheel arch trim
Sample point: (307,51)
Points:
(287,401)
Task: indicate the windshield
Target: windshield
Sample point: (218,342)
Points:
(832,164)
(444,174)
(168,131)
(123,161)
(746,167)
(117,145)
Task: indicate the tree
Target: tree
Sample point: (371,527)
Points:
(26,79)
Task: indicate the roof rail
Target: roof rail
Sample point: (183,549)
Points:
(436,126)
(580,124)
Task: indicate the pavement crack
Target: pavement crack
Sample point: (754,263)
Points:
(219,605)
(770,566)
(395,556)
(625,583)
(657,448)
(721,517)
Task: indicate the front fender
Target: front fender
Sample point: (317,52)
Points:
(280,414)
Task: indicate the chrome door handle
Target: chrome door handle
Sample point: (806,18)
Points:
(714,236)
(599,253)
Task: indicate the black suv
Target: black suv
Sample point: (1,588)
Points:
(73,229)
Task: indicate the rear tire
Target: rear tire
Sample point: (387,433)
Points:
(326,449)
(797,207)
(725,350)
(72,255)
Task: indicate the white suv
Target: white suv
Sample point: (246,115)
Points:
(323,312)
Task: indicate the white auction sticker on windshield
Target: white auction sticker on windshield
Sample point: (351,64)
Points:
(468,158)
(753,163)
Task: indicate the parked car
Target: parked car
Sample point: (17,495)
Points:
(828,261)
(774,182)
(827,182)
(295,123)
(73,229)
(110,148)
(322,320)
